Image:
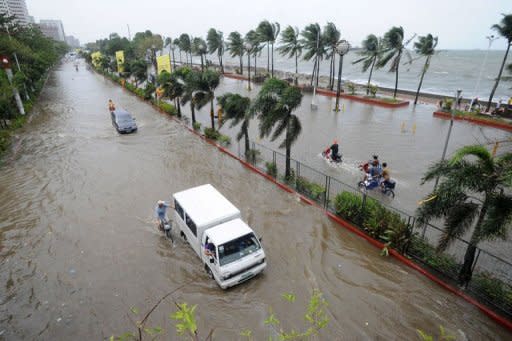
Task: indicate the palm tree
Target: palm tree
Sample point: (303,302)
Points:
(138,69)
(205,87)
(274,105)
(370,53)
(425,47)
(176,43)
(474,186)
(393,44)
(331,37)
(215,41)
(186,46)
(173,86)
(253,39)
(268,33)
(315,47)
(199,48)
(236,109)
(191,80)
(169,42)
(504,30)
(236,47)
(291,46)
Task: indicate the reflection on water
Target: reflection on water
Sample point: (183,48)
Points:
(78,248)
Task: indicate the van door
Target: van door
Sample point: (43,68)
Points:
(209,254)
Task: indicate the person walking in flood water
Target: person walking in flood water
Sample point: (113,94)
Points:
(111,105)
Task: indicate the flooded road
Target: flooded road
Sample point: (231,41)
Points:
(78,248)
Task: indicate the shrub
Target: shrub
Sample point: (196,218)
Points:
(348,205)
(148,91)
(130,87)
(351,87)
(313,190)
(253,155)
(196,126)
(211,134)
(168,108)
(271,169)
(139,92)
(447,104)
(373,90)
(427,253)
(224,140)
(495,289)
(5,140)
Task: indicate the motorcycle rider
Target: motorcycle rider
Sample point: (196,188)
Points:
(334,152)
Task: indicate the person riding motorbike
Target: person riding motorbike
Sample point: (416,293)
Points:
(335,155)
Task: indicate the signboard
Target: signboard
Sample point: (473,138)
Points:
(120,61)
(96,58)
(163,63)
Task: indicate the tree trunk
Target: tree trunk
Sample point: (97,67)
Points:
(268,57)
(396,74)
(272,60)
(246,138)
(421,79)
(370,77)
(212,114)
(192,110)
(317,72)
(255,67)
(220,61)
(179,107)
(173,60)
(202,65)
(330,74)
(466,272)
(181,62)
(498,78)
(241,66)
(296,69)
(287,172)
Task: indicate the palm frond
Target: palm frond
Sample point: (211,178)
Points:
(478,151)
(498,218)
(458,220)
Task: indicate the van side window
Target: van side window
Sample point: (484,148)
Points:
(178,208)
(191,225)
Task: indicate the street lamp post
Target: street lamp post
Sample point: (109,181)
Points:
(457,96)
(490,38)
(342,49)
(248,48)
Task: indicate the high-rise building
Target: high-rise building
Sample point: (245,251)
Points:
(18,8)
(52,29)
(72,41)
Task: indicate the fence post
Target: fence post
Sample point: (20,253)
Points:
(363,205)
(327,191)
(253,154)
(476,260)
(274,158)
(297,167)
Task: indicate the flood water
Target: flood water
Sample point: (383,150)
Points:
(78,248)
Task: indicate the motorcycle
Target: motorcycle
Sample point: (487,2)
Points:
(326,154)
(164,225)
(386,187)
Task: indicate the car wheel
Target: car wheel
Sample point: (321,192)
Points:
(208,271)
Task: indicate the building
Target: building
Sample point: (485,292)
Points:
(72,41)
(18,8)
(53,29)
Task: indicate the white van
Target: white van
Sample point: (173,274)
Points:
(228,248)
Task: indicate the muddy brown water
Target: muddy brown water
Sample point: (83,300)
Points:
(78,247)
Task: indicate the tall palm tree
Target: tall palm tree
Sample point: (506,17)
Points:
(268,33)
(253,38)
(169,42)
(274,105)
(504,30)
(236,47)
(393,44)
(236,110)
(215,41)
(138,69)
(176,43)
(199,48)
(205,87)
(371,51)
(426,47)
(291,45)
(331,37)
(191,80)
(186,46)
(313,43)
(472,198)
(173,86)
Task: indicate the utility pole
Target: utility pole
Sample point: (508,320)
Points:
(6,65)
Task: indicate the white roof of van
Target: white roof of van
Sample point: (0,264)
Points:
(204,204)
(227,231)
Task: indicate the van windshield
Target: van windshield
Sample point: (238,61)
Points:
(238,248)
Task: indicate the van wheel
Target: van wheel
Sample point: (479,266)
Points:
(183,236)
(208,271)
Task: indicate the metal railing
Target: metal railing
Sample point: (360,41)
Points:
(492,276)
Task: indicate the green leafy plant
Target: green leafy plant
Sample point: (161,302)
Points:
(253,155)
(148,91)
(168,108)
(186,319)
(313,190)
(224,140)
(493,288)
(348,205)
(211,133)
(271,169)
(443,335)
(196,126)
(447,104)
(373,90)
(351,88)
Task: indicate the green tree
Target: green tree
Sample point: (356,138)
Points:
(186,46)
(472,197)
(236,110)
(393,45)
(331,37)
(137,69)
(253,39)
(291,46)
(206,84)
(236,48)
(504,29)
(314,45)
(199,48)
(170,42)
(173,86)
(215,41)
(274,105)
(425,47)
(371,51)
(176,43)
(268,33)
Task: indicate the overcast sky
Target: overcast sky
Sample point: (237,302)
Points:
(459,24)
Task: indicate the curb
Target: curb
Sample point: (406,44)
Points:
(497,125)
(490,313)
